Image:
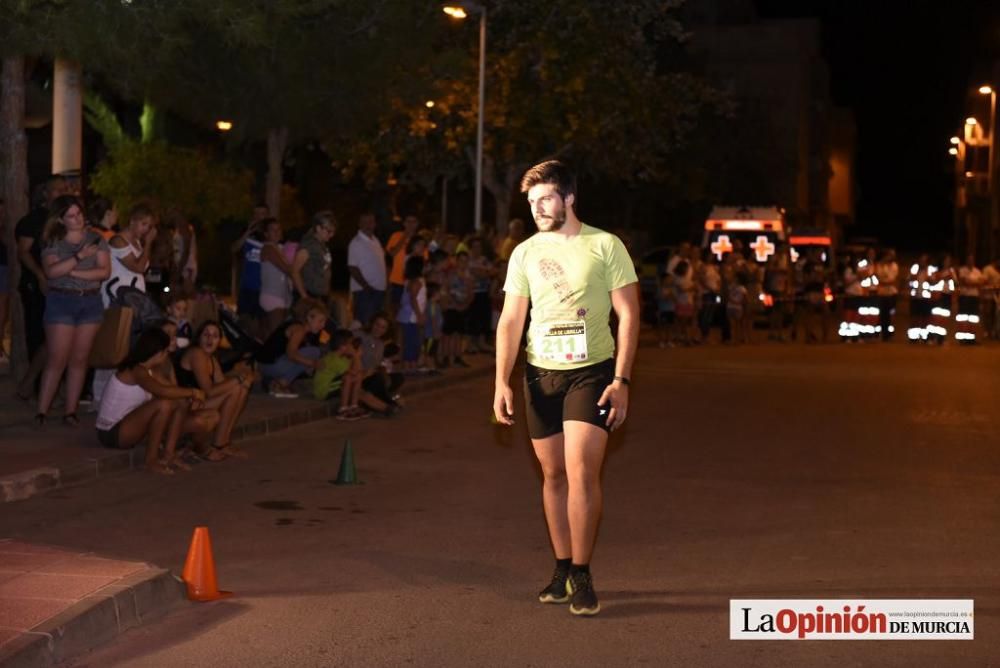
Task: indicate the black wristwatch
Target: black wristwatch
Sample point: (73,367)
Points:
(623,380)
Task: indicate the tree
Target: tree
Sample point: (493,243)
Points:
(281,71)
(587,81)
(13,190)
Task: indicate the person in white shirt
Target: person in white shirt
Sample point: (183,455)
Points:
(366,262)
(970,280)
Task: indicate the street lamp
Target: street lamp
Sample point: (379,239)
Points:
(955,141)
(988,90)
(224,126)
(460,10)
(953,151)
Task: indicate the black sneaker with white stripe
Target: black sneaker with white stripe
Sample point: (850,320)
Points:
(584,600)
(558,589)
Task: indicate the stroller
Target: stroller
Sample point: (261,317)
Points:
(243,346)
(145,312)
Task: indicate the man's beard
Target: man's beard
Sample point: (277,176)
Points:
(551,224)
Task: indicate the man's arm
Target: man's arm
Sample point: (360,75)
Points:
(396,243)
(509,329)
(625,301)
(28,261)
(301,256)
(237,245)
(359,277)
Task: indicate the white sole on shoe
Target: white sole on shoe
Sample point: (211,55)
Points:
(587,612)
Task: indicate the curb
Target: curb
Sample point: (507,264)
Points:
(26,484)
(95,620)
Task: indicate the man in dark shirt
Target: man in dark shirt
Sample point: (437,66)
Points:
(33,285)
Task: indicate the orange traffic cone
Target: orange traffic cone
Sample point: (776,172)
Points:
(199,569)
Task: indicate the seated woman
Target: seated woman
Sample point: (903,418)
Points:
(293,349)
(136,406)
(199,367)
(196,420)
(377,378)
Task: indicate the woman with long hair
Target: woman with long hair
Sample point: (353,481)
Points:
(75,261)
(196,420)
(199,367)
(130,251)
(137,406)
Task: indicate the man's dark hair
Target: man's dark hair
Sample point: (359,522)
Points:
(555,172)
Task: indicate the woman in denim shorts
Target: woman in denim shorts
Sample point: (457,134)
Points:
(75,260)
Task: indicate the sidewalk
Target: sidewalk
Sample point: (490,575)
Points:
(35,461)
(55,603)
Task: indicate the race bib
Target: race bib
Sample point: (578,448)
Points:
(561,342)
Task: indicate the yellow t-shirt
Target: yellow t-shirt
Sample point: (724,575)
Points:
(569,283)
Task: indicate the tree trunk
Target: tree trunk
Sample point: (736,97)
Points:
(501,186)
(277,142)
(502,209)
(14,190)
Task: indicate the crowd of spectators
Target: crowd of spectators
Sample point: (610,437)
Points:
(419,301)
(811,297)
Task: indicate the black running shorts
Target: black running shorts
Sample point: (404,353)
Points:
(553,397)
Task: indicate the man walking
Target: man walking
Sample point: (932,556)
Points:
(576,389)
(366,262)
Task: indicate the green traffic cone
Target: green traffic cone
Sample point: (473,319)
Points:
(347,475)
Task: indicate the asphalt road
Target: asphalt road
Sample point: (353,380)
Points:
(756,472)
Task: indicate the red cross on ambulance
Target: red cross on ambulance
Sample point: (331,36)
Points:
(763,248)
(721,246)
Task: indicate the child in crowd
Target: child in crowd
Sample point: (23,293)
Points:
(412,312)
(737,309)
(666,310)
(338,375)
(432,327)
(456,300)
(177,311)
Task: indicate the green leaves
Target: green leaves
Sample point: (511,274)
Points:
(184,179)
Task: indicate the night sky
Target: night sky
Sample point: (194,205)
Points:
(906,68)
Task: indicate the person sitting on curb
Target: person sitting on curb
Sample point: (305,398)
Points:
(339,376)
(136,406)
(377,378)
(196,421)
(293,349)
(199,367)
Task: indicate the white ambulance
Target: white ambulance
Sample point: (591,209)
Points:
(758,230)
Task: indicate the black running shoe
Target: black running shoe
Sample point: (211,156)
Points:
(584,599)
(558,589)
